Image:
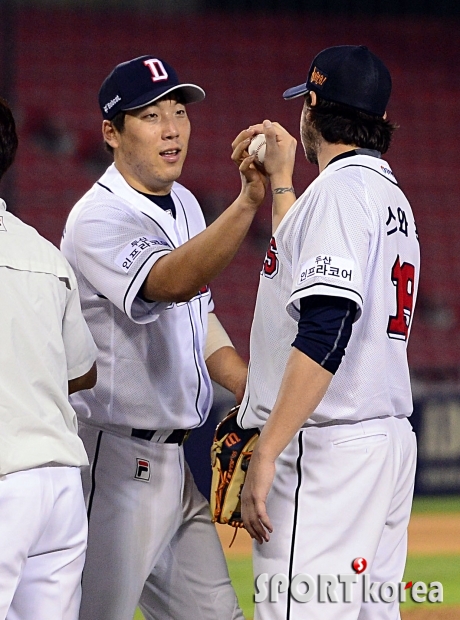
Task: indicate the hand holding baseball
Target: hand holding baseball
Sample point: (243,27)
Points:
(253,180)
(278,153)
(275,147)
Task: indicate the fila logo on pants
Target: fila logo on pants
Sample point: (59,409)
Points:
(142,470)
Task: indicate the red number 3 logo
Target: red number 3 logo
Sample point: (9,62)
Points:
(270,268)
(403,278)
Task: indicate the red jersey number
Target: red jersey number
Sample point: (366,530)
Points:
(270,267)
(403,278)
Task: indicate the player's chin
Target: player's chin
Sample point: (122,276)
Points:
(171,171)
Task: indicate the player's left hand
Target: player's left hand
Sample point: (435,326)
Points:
(253,180)
(256,487)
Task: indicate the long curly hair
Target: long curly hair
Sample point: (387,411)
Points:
(342,124)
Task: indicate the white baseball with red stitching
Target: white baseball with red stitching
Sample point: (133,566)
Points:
(257,146)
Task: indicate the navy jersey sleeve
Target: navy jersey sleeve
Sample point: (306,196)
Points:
(324,330)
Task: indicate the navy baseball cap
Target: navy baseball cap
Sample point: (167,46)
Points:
(141,81)
(348,74)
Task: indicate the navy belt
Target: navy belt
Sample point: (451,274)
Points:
(177,436)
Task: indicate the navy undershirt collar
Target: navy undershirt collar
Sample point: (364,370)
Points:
(164,202)
(371,152)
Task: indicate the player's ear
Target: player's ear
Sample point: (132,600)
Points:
(110,134)
(385,116)
(313,99)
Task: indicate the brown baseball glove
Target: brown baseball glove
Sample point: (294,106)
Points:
(231,452)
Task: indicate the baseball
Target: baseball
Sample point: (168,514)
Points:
(257,147)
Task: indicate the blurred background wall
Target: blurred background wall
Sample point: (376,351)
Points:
(54,55)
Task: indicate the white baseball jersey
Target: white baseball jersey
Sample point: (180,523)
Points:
(151,368)
(45,342)
(351,234)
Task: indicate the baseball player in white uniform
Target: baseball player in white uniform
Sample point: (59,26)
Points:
(331,478)
(47,351)
(143,259)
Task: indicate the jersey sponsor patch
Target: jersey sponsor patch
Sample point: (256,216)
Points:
(326,265)
(135,248)
(142,470)
(388,172)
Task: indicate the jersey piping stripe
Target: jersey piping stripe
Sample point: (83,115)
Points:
(202,325)
(201,313)
(105,187)
(184,213)
(196,365)
(137,273)
(294,525)
(373,170)
(338,336)
(247,399)
(343,288)
(161,228)
(149,216)
(93,473)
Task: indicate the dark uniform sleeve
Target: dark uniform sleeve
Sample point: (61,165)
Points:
(324,329)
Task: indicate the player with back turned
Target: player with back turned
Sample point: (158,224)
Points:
(331,478)
(143,258)
(46,353)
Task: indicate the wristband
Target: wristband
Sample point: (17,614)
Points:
(217,337)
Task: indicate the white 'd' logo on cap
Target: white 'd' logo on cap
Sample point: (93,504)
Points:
(156,69)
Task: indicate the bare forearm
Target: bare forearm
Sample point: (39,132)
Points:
(85,382)
(304,384)
(282,201)
(228,369)
(179,275)
(279,167)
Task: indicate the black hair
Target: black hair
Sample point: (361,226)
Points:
(341,124)
(118,121)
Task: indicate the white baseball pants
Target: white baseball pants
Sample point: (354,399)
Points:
(340,492)
(151,541)
(43,533)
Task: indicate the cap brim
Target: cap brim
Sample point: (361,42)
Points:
(191,93)
(295,91)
